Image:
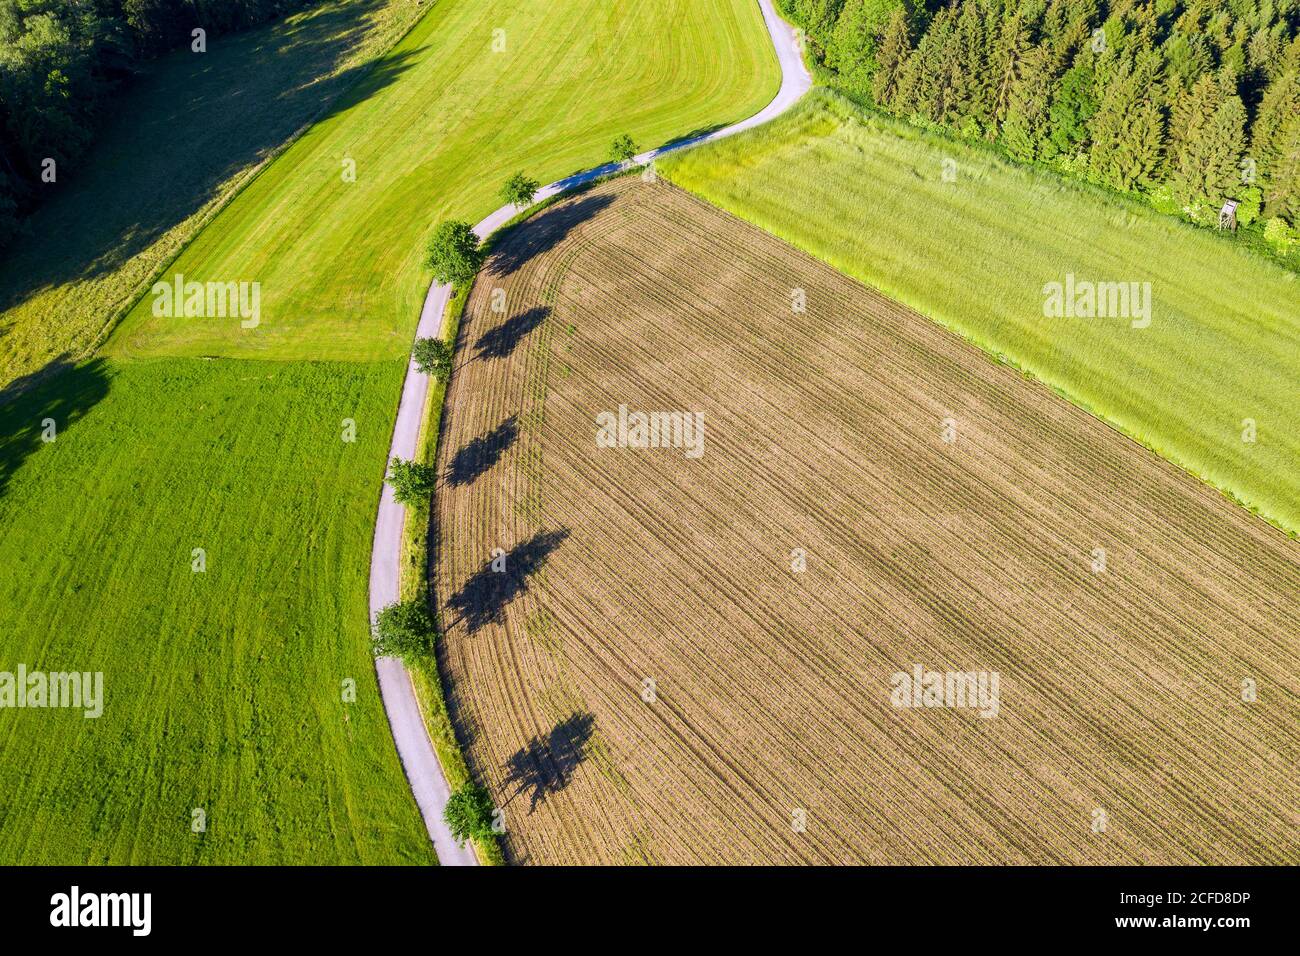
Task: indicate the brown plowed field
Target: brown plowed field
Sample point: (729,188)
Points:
(1121,736)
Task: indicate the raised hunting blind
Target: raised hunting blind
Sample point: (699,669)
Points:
(1228,215)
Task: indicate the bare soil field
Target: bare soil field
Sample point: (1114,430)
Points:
(692,658)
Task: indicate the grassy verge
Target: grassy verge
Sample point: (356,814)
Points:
(1209,384)
(414,586)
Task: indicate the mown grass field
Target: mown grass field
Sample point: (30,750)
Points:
(223,689)
(434,132)
(656,678)
(868,196)
(222,686)
(185,138)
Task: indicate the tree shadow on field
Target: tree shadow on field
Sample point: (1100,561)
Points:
(480,454)
(501,340)
(487,592)
(694,136)
(182,130)
(546,764)
(61,392)
(543,232)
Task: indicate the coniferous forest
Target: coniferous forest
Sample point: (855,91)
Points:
(1189,103)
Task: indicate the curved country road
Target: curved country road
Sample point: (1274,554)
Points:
(412,739)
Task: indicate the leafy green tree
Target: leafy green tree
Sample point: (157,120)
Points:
(1129,154)
(852,44)
(454,253)
(1250,201)
(1187,59)
(1232,67)
(907,87)
(1265,52)
(1280,236)
(1072,106)
(622,149)
(468,813)
(433,357)
(412,481)
(404,630)
(1069,31)
(818,18)
(519,190)
(158,25)
(49,93)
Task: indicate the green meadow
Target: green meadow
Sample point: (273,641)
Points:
(976,248)
(433,132)
(224,688)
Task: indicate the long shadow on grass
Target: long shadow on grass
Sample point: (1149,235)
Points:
(545,765)
(179,134)
(488,591)
(543,233)
(43,406)
(693,136)
(499,341)
(482,453)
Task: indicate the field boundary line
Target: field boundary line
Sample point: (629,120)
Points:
(424,772)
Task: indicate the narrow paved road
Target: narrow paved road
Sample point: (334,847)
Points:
(412,739)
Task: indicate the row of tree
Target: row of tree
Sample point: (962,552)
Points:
(1191,102)
(405,629)
(61,61)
